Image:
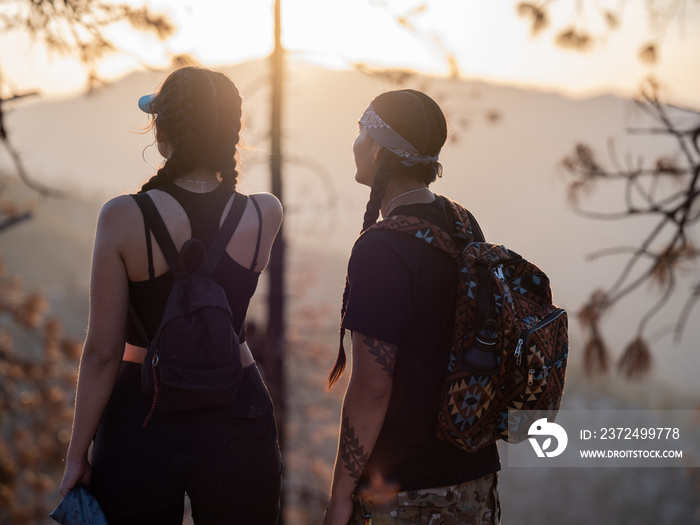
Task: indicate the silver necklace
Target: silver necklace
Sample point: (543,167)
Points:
(202,182)
(388,206)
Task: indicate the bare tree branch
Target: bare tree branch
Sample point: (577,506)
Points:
(24,176)
(581,34)
(7,222)
(76,27)
(666,251)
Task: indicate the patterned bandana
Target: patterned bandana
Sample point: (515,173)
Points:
(386,137)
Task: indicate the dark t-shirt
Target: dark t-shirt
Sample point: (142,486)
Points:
(402,291)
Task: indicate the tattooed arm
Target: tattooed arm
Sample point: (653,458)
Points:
(364,409)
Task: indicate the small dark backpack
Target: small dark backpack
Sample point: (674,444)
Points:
(194,359)
(510,343)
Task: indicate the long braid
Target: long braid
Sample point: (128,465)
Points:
(341,359)
(387,166)
(229,173)
(159,178)
(381,178)
(230,130)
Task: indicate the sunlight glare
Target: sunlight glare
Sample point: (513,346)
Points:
(487,40)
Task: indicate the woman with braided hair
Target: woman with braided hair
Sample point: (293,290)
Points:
(399,303)
(226,459)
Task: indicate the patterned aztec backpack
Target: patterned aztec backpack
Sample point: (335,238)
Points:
(194,359)
(510,343)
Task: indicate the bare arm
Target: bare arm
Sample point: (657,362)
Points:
(271,210)
(104,344)
(364,409)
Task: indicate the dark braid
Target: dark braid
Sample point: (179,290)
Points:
(229,176)
(228,123)
(231,136)
(387,164)
(341,359)
(158,179)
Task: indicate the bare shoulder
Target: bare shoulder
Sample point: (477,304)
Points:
(270,206)
(118,214)
(267,201)
(118,204)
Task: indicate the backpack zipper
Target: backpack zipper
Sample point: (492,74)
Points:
(518,353)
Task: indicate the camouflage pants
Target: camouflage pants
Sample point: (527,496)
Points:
(470,503)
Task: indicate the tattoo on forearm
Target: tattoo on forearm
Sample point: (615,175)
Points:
(384,353)
(351,452)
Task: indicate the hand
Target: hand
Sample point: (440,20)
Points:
(78,472)
(338,512)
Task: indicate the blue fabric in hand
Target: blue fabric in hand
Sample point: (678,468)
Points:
(79,507)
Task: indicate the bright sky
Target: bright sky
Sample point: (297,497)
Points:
(489,39)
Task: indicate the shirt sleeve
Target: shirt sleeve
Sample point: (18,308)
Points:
(379,283)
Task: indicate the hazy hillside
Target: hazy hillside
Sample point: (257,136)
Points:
(506,172)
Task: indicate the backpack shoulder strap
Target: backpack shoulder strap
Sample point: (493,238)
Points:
(160,231)
(420,229)
(149,248)
(477,232)
(233,218)
(257,244)
(465,229)
(464,217)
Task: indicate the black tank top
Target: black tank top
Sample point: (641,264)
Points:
(148,297)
